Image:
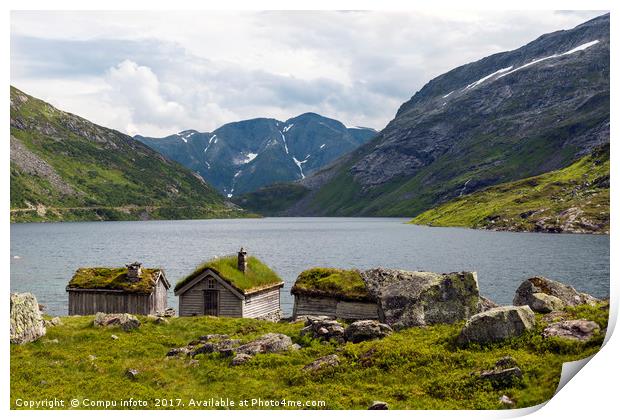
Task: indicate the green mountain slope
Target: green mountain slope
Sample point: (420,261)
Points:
(64,167)
(572,199)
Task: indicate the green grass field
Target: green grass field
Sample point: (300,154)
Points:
(416,368)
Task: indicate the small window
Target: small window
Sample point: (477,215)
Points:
(210,283)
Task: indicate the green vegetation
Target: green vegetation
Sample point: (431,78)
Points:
(113,279)
(573,199)
(64,167)
(270,201)
(416,368)
(258,275)
(332,282)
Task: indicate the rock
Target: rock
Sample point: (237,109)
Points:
(274,316)
(502,378)
(366,330)
(126,322)
(379,405)
(161,321)
(240,359)
(92,357)
(113,337)
(26,321)
(541,285)
(268,343)
(331,360)
(54,341)
(506,362)
(324,329)
(544,303)
(484,304)
(576,329)
(410,298)
(131,373)
(166,313)
(497,324)
(555,316)
(295,347)
(53,322)
(505,401)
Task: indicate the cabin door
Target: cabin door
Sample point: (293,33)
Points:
(211,299)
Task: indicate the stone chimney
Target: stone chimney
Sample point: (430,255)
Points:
(242,260)
(134,271)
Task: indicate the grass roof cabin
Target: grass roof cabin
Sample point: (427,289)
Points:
(232,286)
(130,289)
(333,292)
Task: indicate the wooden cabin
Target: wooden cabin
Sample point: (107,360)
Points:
(335,293)
(130,289)
(233,286)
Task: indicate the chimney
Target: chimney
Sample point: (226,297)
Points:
(134,271)
(242,260)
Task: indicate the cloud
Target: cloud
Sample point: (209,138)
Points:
(155,73)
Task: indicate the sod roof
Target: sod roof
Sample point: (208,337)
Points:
(258,275)
(108,278)
(332,282)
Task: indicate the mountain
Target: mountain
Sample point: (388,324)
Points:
(574,199)
(243,156)
(64,167)
(506,117)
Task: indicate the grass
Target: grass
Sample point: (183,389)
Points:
(257,276)
(332,282)
(416,368)
(113,279)
(576,196)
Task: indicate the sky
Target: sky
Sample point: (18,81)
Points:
(157,73)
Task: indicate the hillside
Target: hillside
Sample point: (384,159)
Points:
(244,156)
(573,199)
(506,117)
(415,368)
(64,167)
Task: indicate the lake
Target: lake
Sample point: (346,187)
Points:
(45,255)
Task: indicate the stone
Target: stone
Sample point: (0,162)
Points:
(53,322)
(324,329)
(379,405)
(131,373)
(502,378)
(484,304)
(126,322)
(497,324)
(240,359)
(26,321)
(166,313)
(544,303)
(366,330)
(575,329)
(555,316)
(506,362)
(161,321)
(295,347)
(566,294)
(413,298)
(114,337)
(54,341)
(274,316)
(505,401)
(268,343)
(331,360)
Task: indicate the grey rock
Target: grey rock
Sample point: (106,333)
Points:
(502,378)
(497,324)
(26,321)
(126,322)
(166,313)
(538,285)
(413,298)
(484,304)
(324,329)
(161,321)
(240,359)
(268,343)
(131,373)
(295,347)
(114,337)
(274,316)
(331,360)
(366,330)
(379,405)
(544,303)
(575,329)
(505,401)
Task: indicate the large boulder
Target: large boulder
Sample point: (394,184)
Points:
(331,360)
(126,322)
(497,324)
(366,330)
(324,329)
(415,298)
(268,343)
(574,329)
(26,321)
(545,295)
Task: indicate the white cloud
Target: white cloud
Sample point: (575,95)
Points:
(160,72)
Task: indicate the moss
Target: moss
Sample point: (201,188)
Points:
(258,275)
(113,279)
(332,282)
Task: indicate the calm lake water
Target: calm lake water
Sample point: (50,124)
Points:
(44,256)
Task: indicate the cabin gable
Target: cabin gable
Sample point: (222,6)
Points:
(208,285)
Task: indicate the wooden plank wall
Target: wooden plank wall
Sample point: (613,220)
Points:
(89,303)
(261,304)
(316,306)
(191,303)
